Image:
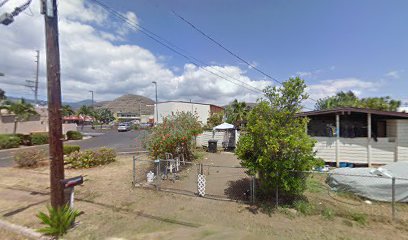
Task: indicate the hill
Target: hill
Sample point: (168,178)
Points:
(129,103)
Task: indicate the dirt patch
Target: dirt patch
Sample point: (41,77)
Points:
(114,209)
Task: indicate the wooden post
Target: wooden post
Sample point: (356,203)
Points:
(54,104)
(337,140)
(369,139)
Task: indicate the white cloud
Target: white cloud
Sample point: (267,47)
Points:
(94,57)
(394,74)
(331,87)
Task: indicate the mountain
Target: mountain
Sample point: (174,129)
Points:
(129,103)
(77,105)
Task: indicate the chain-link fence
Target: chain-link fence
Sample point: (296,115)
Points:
(367,192)
(377,195)
(209,181)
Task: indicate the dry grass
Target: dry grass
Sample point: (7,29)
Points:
(114,209)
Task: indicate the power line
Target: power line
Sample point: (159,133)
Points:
(167,44)
(228,50)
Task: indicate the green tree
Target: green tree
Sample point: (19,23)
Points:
(275,144)
(237,113)
(67,110)
(103,115)
(85,111)
(215,119)
(22,111)
(350,99)
(2,94)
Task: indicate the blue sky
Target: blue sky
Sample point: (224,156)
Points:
(358,45)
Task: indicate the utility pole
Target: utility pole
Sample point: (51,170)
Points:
(36,77)
(54,102)
(33,85)
(157,104)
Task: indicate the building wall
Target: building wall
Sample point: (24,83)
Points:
(402,140)
(355,149)
(168,108)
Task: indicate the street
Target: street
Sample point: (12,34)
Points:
(122,142)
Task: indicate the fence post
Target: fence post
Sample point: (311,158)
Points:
(393,198)
(253,189)
(134,171)
(277,192)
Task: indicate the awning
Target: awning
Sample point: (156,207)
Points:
(224,126)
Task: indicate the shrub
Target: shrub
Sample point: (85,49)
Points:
(25,139)
(174,135)
(303,207)
(275,144)
(9,141)
(58,220)
(29,158)
(39,138)
(90,158)
(71,148)
(74,135)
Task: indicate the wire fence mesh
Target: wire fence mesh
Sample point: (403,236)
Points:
(377,195)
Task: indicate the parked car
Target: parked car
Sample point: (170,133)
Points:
(124,127)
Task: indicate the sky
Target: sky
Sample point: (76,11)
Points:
(333,45)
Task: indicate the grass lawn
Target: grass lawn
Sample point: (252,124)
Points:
(113,209)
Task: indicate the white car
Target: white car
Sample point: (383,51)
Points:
(124,127)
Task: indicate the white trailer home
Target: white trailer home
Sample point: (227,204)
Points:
(362,136)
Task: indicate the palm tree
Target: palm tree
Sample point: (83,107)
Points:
(22,111)
(67,110)
(85,111)
(237,113)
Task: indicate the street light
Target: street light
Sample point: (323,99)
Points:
(157,106)
(92,92)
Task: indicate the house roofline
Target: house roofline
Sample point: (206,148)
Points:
(343,110)
(191,103)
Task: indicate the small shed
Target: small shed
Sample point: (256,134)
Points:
(358,135)
(230,135)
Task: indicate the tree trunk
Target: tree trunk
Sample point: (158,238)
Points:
(15,127)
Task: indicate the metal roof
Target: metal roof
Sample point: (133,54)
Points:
(190,103)
(349,110)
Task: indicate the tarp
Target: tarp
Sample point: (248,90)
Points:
(372,183)
(224,126)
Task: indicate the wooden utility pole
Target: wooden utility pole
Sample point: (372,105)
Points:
(37,60)
(54,103)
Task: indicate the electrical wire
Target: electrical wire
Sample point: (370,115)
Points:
(174,48)
(228,50)
(3,2)
(169,46)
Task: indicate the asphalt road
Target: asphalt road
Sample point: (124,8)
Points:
(122,142)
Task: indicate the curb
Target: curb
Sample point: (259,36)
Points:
(26,232)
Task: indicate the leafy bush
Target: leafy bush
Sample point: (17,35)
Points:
(29,158)
(174,135)
(303,207)
(25,139)
(39,138)
(58,220)
(74,135)
(90,158)
(9,141)
(275,144)
(71,148)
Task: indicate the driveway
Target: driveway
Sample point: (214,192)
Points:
(122,142)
